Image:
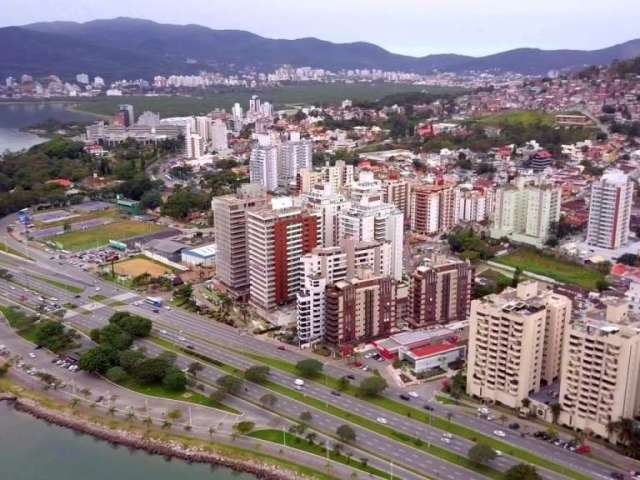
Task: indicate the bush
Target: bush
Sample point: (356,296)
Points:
(230,384)
(244,427)
(346,433)
(150,370)
(257,373)
(117,374)
(174,380)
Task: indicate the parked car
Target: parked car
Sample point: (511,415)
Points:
(405,397)
(499,433)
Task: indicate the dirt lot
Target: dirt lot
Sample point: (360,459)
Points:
(138,266)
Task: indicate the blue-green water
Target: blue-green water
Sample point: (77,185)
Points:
(31,449)
(14,116)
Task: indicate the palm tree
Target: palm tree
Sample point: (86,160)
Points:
(148,422)
(112,411)
(211,431)
(450,416)
(166,424)
(74,403)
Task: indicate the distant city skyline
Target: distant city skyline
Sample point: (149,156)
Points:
(411,27)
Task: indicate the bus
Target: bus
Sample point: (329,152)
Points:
(155,301)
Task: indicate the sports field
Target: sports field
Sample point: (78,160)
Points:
(100,236)
(137,266)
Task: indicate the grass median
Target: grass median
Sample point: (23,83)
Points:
(58,284)
(294,441)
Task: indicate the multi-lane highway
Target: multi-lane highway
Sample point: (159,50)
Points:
(207,337)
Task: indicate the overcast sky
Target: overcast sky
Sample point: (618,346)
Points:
(414,27)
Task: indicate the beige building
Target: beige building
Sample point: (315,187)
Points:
(514,342)
(230,224)
(600,381)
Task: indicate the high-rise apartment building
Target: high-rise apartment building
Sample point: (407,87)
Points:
(525,211)
(263,166)
(230,224)
(203,124)
(360,309)
(432,208)
(397,192)
(369,219)
(440,292)
(219,134)
(600,382)
(193,146)
(325,266)
(328,204)
(293,156)
(610,210)
(472,206)
(128,117)
(277,239)
(515,342)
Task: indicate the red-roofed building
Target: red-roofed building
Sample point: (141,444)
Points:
(439,355)
(61,182)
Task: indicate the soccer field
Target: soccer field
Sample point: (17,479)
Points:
(100,236)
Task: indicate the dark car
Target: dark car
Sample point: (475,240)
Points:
(191,347)
(428,407)
(617,476)
(405,397)
(281,348)
(351,377)
(337,394)
(514,426)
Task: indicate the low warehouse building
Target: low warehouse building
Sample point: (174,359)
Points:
(203,256)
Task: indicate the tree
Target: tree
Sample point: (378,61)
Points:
(481,454)
(150,370)
(346,434)
(257,373)
(244,427)
(217,395)
(458,385)
(343,384)
(134,325)
(309,368)
(372,386)
(183,202)
(151,199)
(117,374)
(522,471)
(98,359)
(306,416)
(174,380)
(130,359)
(268,400)
(556,408)
(516,277)
(602,285)
(230,384)
(194,368)
(628,259)
(114,336)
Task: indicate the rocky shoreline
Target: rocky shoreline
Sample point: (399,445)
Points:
(169,450)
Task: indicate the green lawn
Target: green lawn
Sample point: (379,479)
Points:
(111,212)
(98,297)
(293,441)
(100,236)
(62,285)
(563,271)
(188,396)
(524,118)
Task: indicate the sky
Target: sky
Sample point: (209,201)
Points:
(412,27)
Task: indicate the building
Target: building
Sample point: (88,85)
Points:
(370,219)
(600,382)
(440,292)
(325,266)
(230,225)
(293,156)
(193,146)
(328,205)
(472,206)
(203,256)
(263,166)
(277,239)
(219,135)
(526,210)
(202,124)
(515,343)
(360,309)
(127,114)
(130,207)
(165,248)
(610,210)
(432,208)
(397,192)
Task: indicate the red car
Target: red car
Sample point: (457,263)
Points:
(583,449)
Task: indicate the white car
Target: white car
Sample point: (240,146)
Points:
(32,355)
(446,440)
(164,332)
(499,433)
(299,382)
(498,453)
(414,395)
(97,289)
(447,435)
(381,420)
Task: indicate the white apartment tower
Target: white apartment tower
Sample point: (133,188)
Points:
(525,211)
(219,135)
(610,210)
(293,156)
(328,205)
(263,166)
